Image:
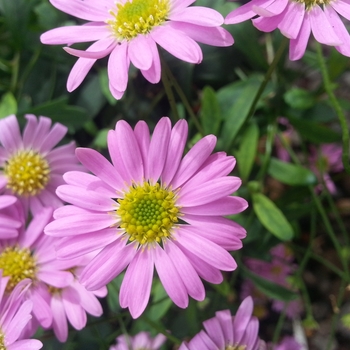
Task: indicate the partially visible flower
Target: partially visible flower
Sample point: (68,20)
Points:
(297,19)
(288,343)
(151,208)
(141,341)
(227,332)
(288,136)
(32,256)
(325,160)
(14,316)
(30,168)
(71,304)
(129,32)
(278,270)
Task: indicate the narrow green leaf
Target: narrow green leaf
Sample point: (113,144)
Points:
(272,290)
(272,217)
(8,105)
(290,174)
(210,111)
(247,151)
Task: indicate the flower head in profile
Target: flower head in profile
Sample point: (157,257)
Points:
(227,332)
(129,31)
(30,167)
(141,341)
(297,19)
(14,316)
(151,208)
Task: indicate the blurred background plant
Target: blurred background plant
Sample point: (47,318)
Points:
(284,132)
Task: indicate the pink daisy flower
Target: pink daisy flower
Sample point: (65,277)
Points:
(129,31)
(297,20)
(224,331)
(32,256)
(14,316)
(288,343)
(150,208)
(141,341)
(30,168)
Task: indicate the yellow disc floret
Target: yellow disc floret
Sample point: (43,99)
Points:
(236,347)
(148,213)
(309,4)
(17,263)
(138,17)
(27,173)
(2,341)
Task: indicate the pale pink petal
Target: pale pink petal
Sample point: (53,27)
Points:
(118,66)
(104,48)
(205,250)
(129,151)
(245,11)
(215,332)
(101,167)
(186,271)
(143,138)
(321,28)
(75,313)
(89,10)
(59,323)
(202,16)
(339,29)
(10,135)
(242,318)
(58,279)
(273,9)
(78,73)
(180,4)
(41,310)
(153,74)
(177,43)
(292,20)
(108,264)
(267,24)
(175,150)
(115,93)
(210,191)
(74,34)
(29,130)
(158,149)
(28,344)
(170,278)
(225,206)
(297,46)
(193,160)
(215,36)
(342,7)
(140,53)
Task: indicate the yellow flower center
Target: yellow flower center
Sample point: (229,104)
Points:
(27,173)
(2,341)
(148,213)
(236,347)
(17,263)
(309,4)
(138,17)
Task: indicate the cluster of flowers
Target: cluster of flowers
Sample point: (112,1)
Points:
(129,32)
(149,208)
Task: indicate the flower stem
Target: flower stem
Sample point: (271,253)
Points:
(336,106)
(268,75)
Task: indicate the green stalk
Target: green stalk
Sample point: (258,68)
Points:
(336,106)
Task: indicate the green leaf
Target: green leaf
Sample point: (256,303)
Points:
(210,111)
(272,217)
(8,105)
(160,302)
(247,150)
(290,174)
(272,290)
(313,131)
(299,98)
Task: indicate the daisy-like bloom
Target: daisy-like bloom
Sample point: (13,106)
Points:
(32,256)
(296,19)
(288,343)
(141,341)
(227,332)
(14,316)
(326,160)
(30,168)
(129,31)
(150,208)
